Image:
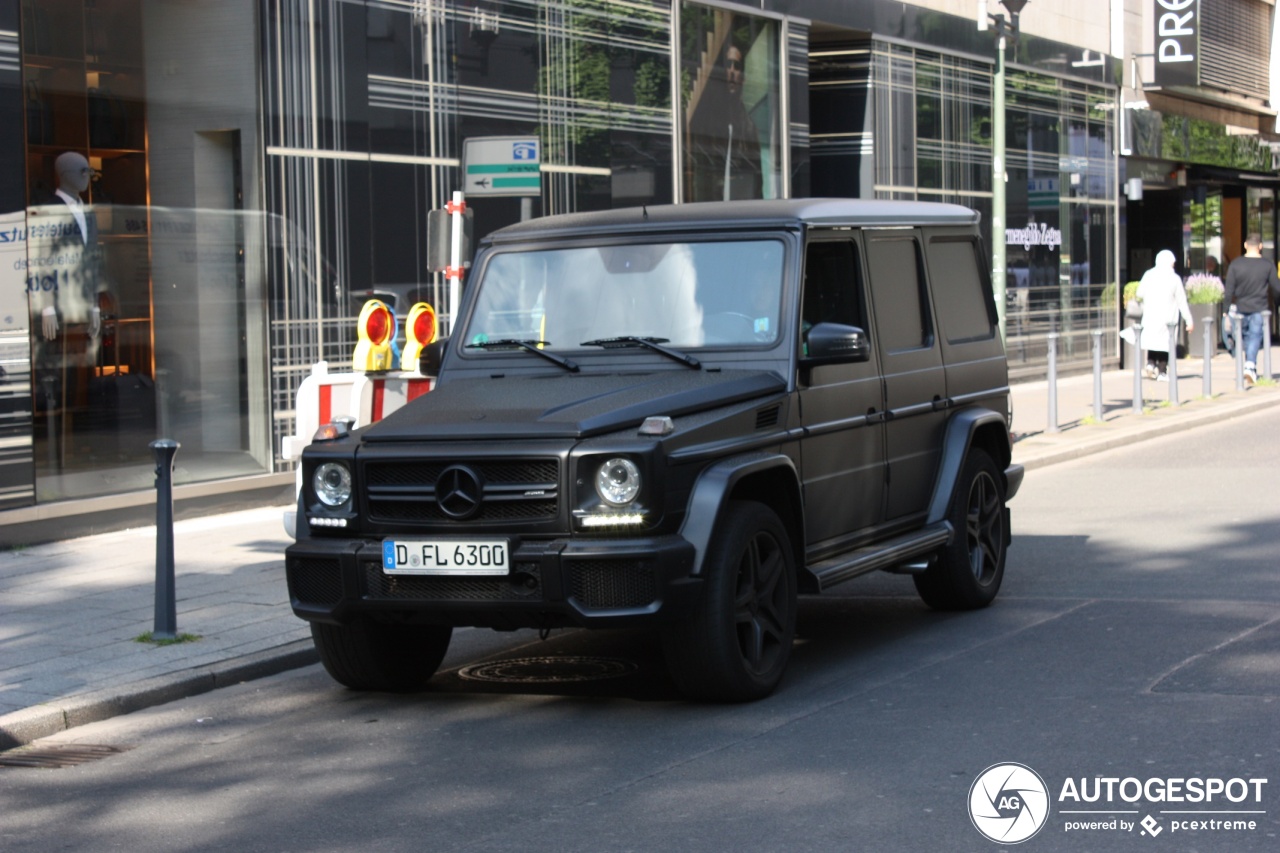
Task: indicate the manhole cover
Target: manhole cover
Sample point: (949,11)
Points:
(53,757)
(548,670)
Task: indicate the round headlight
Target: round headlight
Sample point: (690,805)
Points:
(618,481)
(332,482)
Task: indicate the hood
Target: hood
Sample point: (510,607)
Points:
(566,405)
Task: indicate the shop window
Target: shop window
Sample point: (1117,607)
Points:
(139,321)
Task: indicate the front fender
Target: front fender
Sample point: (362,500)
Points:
(715,485)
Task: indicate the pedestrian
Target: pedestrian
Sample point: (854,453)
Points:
(1163,299)
(1248,280)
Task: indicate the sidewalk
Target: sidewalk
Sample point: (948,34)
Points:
(70,611)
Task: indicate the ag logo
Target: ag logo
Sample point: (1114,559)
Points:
(1008,803)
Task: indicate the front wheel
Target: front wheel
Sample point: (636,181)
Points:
(736,645)
(369,655)
(969,569)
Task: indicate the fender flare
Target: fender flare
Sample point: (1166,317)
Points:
(955,447)
(710,494)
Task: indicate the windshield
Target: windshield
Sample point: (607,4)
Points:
(682,294)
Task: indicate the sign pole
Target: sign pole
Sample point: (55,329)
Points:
(998,185)
(453,272)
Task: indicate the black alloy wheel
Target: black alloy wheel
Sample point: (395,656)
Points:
(969,569)
(737,643)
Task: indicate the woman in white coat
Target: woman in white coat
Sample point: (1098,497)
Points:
(1163,299)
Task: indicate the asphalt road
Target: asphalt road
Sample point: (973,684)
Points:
(1137,638)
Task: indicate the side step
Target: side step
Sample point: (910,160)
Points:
(883,555)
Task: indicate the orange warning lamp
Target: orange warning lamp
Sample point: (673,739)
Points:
(377,330)
(419,330)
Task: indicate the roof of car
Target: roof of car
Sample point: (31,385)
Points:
(739,214)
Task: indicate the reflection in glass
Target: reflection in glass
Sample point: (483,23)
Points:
(688,294)
(731,105)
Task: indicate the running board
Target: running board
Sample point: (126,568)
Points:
(888,555)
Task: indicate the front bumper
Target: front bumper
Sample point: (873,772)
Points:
(552,583)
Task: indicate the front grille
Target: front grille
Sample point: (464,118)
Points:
(529,472)
(315,580)
(607,584)
(402,509)
(514,490)
(524,583)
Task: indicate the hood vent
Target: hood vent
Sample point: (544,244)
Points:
(767,417)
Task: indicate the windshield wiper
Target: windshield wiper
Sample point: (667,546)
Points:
(530,346)
(655,344)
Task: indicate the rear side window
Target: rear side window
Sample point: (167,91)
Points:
(964,302)
(897,284)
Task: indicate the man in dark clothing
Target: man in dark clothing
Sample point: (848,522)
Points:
(1248,280)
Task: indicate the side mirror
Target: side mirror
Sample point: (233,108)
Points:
(432,356)
(835,343)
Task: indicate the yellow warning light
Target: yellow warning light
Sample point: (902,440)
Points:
(377,330)
(419,330)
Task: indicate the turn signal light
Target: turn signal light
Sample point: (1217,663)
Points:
(420,330)
(377,331)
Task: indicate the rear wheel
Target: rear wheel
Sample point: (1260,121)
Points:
(969,569)
(736,645)
(370,655)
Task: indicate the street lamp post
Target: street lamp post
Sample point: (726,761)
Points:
(1006,31)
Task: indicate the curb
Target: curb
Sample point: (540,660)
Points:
(22,727)
(1131,429)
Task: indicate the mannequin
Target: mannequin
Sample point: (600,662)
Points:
(73,179)
(63,285)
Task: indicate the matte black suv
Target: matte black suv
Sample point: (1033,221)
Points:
(677,416)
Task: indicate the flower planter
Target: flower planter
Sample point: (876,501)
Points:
(1195,340)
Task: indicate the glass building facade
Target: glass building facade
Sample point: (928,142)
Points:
(895,121)
(254,170)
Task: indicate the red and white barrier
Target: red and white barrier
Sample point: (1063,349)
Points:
(366,397)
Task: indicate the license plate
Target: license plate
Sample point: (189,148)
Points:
(445,557)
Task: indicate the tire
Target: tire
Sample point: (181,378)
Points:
(736,644)
(369,655)
(969,569)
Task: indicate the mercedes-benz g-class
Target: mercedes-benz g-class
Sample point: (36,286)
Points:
(679,416)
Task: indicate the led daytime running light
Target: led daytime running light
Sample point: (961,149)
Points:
(612,519)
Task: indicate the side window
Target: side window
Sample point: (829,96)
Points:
(897,283)
(832,285)
(966,310)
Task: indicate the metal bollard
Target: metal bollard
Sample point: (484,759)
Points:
(1173,363)
(1237,338)
(1097,374)
(1137,368)
(1053,382)
(1266,344)
(166,618)
(1209,348)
